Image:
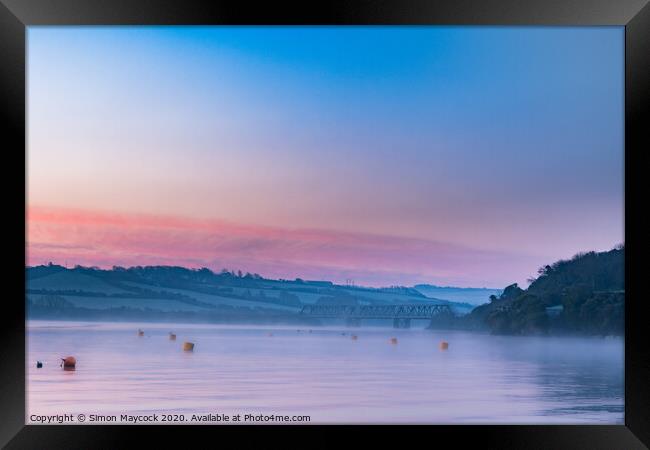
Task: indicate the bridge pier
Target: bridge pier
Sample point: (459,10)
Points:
(401,323)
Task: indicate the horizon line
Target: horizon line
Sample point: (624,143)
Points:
(262,277)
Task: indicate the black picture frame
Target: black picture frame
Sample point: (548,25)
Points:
(16,15)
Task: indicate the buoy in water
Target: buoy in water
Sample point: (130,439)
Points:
(188,346)
(393,340)
(444,345)
(270,334)
(172,337)
(39,364)
(354,337)
(69,362)
(140,333)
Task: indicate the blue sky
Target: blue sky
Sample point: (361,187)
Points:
(506,140)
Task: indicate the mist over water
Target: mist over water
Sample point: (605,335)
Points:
(240,369)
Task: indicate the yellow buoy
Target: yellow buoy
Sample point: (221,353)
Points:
(140,333)
(172,337)
(393,340)
(444,345)
(354,337)
(188,346)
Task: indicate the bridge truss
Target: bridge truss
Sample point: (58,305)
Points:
(400,314)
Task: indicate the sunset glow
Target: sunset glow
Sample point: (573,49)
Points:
(385,155)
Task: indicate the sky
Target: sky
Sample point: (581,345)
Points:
(465,156)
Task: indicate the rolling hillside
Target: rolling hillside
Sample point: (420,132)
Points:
(164,291)
(472,296)
(585,295)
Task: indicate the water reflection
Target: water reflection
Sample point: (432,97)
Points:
(328,375)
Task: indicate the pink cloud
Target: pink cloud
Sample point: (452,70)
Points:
(106,239)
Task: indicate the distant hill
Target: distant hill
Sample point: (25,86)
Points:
(472,296)
(585,295)
(172,293)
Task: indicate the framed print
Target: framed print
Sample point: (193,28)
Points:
(396,219)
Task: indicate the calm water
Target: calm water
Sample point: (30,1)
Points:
(323,374)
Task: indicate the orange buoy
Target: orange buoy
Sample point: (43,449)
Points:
(172,337)
(444,345)
(140,333)
(354,337)
(270,334)
(188,346)
(393,340)
(69,362)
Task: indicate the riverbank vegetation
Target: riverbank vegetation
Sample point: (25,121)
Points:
(583,295)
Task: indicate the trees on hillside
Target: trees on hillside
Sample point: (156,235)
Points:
(588,290)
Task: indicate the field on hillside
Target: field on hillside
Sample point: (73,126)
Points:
(171,289)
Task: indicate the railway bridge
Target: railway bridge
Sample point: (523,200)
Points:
(400,314)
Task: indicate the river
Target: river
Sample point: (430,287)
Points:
(262,372)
